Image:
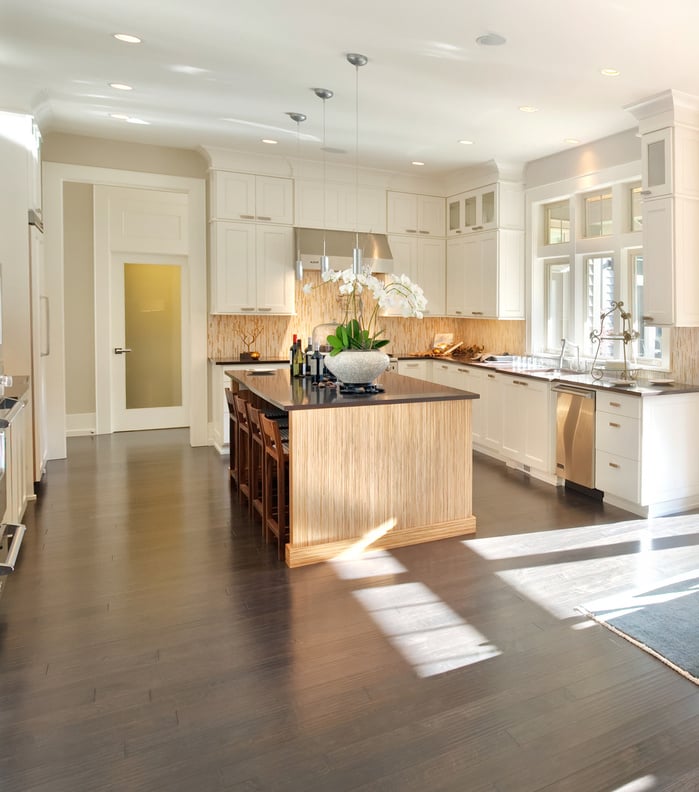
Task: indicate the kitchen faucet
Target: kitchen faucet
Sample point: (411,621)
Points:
(564,344)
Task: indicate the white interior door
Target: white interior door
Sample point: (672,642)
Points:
(149,361)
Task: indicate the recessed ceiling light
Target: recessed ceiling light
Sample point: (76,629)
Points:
(572,141)
(269,141)
(128,38)
(121,86)
(466,142)
(610,72)
(119,116)
(418,163)
(491,40)
(529,109)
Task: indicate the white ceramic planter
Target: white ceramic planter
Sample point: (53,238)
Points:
(357,366)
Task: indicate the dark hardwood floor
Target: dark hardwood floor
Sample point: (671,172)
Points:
(149,640)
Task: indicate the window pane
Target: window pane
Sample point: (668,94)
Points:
(558,302)
(557,223)
(650,341)
(636,219)
(598,214)
(599,283)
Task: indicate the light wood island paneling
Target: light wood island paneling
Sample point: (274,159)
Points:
(376,471)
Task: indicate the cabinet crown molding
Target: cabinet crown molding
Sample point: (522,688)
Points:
(665,109)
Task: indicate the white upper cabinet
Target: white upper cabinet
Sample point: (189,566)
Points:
(499,205)
(245,196)
(670,162)
(335,206)
(423,261)
(251,268)
(409,213)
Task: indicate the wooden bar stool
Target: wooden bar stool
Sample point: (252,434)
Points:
(242,448)
(257,453)
(232,437)
(276,484)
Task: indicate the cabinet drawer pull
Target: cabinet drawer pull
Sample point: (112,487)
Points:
(476,313)
(519,382)
(647,318)
(463,371)
(646,192)
(614,404)
(411,230)
(614,465)
(261,217)
(247,309)
(491,376)
(247,217)
(477,228)
(458,231)
(264,309)
(411,365)
(424,232)
(615,425)
(458,312)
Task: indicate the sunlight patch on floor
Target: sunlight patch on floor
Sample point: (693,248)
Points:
(371,563)
(643,784)
(431,636)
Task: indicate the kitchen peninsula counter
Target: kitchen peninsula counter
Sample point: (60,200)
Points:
(372,471)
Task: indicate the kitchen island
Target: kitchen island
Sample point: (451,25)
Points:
(371,470)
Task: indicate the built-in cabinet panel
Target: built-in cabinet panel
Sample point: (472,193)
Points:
(19,479)
(414,368)
(423,261)
(485,275)
(410,213)
(251,268)
(493,411)
(472,379)
(337,205)
(245,196)
(527,419)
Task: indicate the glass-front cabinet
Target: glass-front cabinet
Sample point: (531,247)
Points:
(475,210)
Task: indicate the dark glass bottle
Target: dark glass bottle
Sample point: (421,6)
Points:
(307,355)
(317,367)
(297,365)
(292,352)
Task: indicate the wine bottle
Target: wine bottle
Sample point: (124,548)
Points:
(297,365)
(307,355)
(317,366)
(292,352)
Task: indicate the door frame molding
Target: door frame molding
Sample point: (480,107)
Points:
(54,177)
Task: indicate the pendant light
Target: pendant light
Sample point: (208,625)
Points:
(298,118)
(356,60)
(324,94)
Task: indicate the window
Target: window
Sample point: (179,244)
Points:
(600,291)
(635,202)
(651,343)
(557,223)
(598,214)
(558,308)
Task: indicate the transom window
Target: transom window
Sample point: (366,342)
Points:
(597,213)
(557,223)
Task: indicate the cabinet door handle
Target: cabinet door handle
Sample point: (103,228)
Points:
(463,371)
(261,217)
(615,425)
(647,318)
(614,465)
(458,230)
(476,313)
(247,217)
(264,309)
(519,382)
(411,230)
(491,376)
(458,312)
(646,192)
(614,404)
(247,309)
(424,232)
(477,228)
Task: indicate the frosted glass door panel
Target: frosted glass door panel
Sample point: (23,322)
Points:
(153,334)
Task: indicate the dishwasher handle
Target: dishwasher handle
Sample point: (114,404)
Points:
(16,531)
(585,393)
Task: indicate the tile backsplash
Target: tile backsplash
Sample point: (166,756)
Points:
(226,332)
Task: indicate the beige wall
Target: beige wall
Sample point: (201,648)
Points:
(79,298)
(102,153)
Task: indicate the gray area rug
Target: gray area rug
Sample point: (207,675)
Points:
(663,620)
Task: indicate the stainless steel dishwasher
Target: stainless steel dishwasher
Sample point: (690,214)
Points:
(575,434)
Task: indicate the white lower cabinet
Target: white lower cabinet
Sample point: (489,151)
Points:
(470,378)
(444,373)
(414,368)
(526,434)
(492,416)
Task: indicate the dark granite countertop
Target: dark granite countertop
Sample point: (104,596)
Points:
(286,393)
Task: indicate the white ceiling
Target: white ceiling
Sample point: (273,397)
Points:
(225,72)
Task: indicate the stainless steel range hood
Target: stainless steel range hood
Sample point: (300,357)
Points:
(376,252)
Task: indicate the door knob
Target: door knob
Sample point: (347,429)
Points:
(120,350)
